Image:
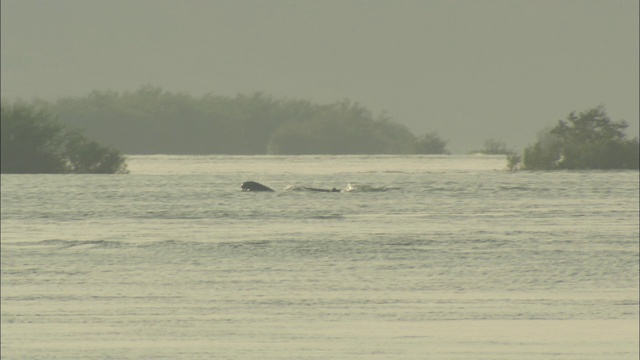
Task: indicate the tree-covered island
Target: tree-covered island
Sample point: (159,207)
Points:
(52,137)
(34,143)
(588,140)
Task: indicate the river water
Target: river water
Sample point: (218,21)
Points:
(429,257)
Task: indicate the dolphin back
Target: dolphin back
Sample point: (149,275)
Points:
(254,186)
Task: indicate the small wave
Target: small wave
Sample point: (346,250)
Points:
(386,172)
(366,188)
(62,244)
(349,188)
(514,188)
(328,217)
(308,188)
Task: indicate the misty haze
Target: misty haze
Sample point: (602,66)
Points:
(335,179)
(466,70)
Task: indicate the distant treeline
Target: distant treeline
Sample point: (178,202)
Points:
(54,137)
(153,121)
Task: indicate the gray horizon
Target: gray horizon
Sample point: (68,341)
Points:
(468,70)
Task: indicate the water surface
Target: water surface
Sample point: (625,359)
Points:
(459,258)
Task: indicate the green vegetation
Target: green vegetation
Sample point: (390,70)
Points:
(343,128)
(431,143)
(589,140)
(153,121)
(32,142)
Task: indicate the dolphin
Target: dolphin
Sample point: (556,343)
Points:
(254,186)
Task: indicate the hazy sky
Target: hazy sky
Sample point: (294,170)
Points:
(468,69)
